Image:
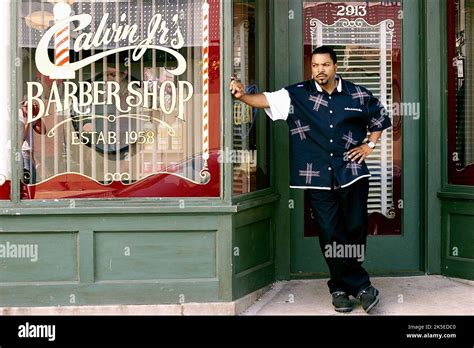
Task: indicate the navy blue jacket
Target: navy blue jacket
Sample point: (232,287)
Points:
(324,127)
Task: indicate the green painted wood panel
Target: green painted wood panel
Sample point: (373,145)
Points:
(257,278)
(110,222)
(196,248)
(254,243)
(253,251)
(38,257)
(460,236)
(457,242)
(280,76)
(434,87)
(155,255)
(152,292)
(456,202)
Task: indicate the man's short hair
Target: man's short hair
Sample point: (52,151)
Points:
(324,50)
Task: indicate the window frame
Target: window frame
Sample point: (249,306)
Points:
(220,204)
(264,125)
(464,190)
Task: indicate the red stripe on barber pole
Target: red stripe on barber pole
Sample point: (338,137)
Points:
(62,42)
(62,31)
(60,53)
(63,62)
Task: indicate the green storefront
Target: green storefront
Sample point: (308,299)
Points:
(132,177)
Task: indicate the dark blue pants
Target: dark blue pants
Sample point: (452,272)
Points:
(341,215)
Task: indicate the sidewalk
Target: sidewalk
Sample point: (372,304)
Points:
(421,295)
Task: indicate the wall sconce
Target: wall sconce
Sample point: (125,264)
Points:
(39,20)
(42,20)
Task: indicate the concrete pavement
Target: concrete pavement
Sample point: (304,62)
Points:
(419,295)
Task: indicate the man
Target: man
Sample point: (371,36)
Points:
(27,148)
(328,119)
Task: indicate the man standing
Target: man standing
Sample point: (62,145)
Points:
(328,119)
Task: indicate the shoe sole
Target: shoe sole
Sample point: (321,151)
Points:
(372,305)
(343,310)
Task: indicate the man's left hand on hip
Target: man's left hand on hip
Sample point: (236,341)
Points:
(359,153)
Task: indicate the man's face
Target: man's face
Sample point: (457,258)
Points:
(111,74)
(35,108)
(322,68)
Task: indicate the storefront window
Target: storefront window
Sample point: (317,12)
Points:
(250,132)
(366,37)
(119,99)
(461,92)
(5,107)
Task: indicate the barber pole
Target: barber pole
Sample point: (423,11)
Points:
(205,96)
(62,42)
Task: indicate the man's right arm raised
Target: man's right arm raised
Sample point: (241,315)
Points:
(254,100)
(276,104)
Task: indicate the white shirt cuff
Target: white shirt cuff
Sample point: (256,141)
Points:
(280,103)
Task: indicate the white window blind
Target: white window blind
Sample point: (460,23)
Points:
(364,54)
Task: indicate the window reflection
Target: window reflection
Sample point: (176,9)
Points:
(127,124)
(250,132)
(460,92)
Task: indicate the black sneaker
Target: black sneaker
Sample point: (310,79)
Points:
(341,302)
(368,298)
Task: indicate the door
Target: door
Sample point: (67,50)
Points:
(457,234)
(369,40)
